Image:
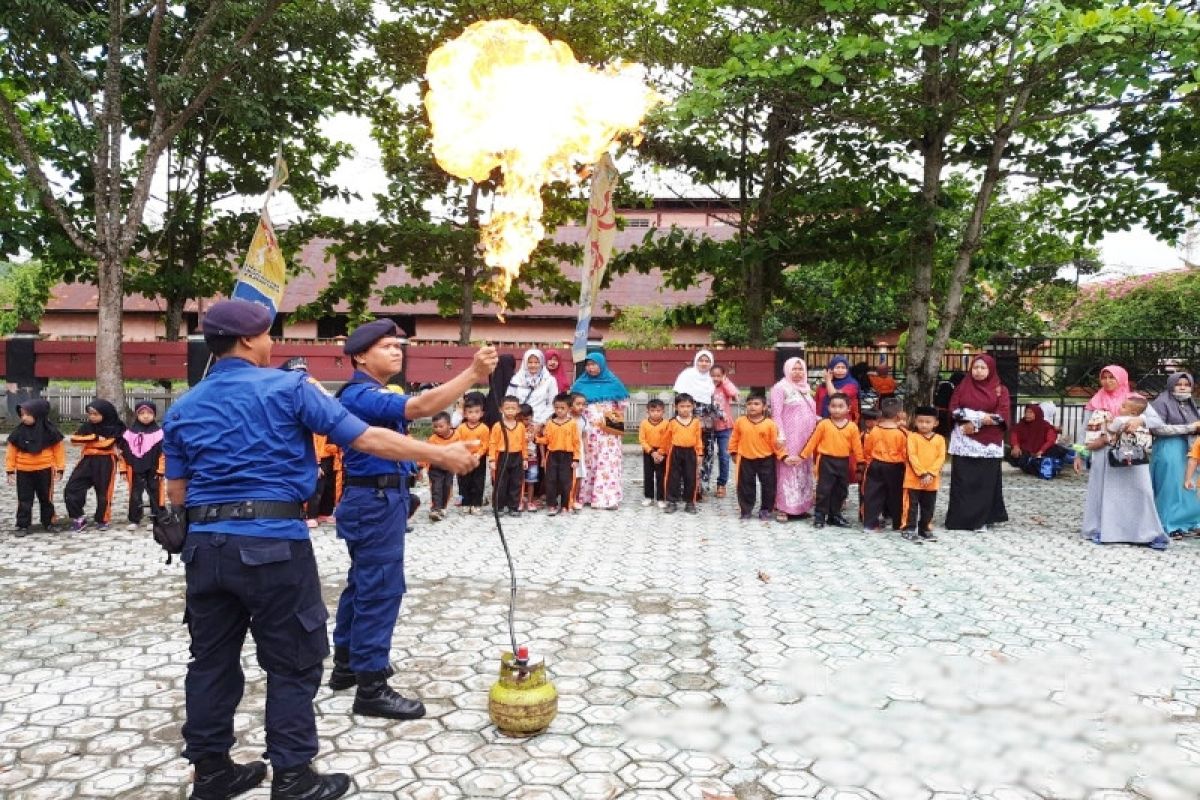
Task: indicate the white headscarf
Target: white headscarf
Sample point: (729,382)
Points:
(532,380)
(696,383)
(537,389)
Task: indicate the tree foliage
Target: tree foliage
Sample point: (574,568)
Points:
(24,291)
(1163,306)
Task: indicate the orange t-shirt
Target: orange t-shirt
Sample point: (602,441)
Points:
(516,440)
(755,440)
(651,435)
(830,440)
(478,437)
(926,455)
(53,457)
(679,434)
(886,444)
(562,437)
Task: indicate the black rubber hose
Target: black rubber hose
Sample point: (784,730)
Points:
(512,572)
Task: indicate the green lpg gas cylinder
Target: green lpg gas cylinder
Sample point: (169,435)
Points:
(523,702)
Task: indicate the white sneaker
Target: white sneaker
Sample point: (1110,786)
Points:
(133,526)
(647,503)
(662,503)
(983,529)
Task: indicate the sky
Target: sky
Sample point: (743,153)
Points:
(1133,252)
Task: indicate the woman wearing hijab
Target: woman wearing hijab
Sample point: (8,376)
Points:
(697,382)
(1119,507)
(606,399)
(533,384)
(1178,508)
(1032,438)
(795,415)
(97,467)
(560,371)
(979,408)
(506,366)
(838,379)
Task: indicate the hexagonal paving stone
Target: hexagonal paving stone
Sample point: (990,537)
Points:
(443,766)
(112,783)
(489,783)
(593,786)
(650,775)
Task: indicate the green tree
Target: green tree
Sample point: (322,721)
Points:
(1163,306)
(68,108)
(24,291)
(927,91)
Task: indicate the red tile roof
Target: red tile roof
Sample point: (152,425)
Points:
(626,290)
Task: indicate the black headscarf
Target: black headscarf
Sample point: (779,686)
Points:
(109,427)
(506,367)
(137,426)
(41,434)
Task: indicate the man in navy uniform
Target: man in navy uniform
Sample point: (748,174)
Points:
(239,451)
(372,517)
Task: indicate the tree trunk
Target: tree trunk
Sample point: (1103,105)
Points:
(110,381)
(173,318)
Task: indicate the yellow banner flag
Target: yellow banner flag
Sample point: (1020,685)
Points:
(264,274)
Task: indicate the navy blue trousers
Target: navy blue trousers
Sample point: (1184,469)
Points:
(372,522)
(271,588)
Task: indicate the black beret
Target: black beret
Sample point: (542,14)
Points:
(925,411)
(236,318)
(365,336)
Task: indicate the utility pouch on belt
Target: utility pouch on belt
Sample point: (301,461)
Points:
(170,529)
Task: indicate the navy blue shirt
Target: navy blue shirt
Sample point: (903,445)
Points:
(375,404)
(245,433)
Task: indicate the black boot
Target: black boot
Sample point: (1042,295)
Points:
(376,699)
(219,778)
(818,519)
(341,677)
(302,783)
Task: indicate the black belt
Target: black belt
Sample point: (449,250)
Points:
(245,509)
(377,482)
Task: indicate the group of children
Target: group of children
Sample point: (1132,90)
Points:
(36,459)
(899,478)
(530,463)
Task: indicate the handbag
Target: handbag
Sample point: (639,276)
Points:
(170,529)
(1127,455)
(614,423)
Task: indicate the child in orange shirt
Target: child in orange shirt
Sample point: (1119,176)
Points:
(654,454)
(837,446)
(98,464)
(35,456)
(886,453)
(441,481)
(564,449)
(474,431)
(684,442)
(755,443)
(506,449)
(923,475)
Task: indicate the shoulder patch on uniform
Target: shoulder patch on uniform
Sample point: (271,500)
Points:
(320,386)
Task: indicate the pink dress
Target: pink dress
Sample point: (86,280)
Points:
(601,484)
(795,415)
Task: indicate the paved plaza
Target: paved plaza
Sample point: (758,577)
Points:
(696,656)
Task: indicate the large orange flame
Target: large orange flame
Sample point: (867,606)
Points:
(502,95)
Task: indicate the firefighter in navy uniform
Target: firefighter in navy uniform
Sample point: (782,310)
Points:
(372,517)
(239,451)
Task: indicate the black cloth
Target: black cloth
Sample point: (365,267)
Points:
(654,475)
(271,588)
(471,485)
(510,475)
(560,475)
(681,475)
(833,485)
(41,434)
(750,472)
(151,483)
(441,488)
(918,509)
(110,425)
(976,494)
(30,484)
(92,472)
(883,493)
(323,499)
(506,367)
